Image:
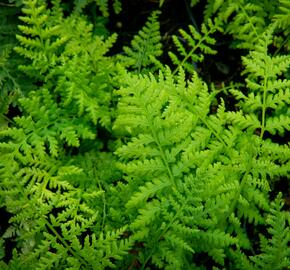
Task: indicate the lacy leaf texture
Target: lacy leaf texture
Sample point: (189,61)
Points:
(117,160)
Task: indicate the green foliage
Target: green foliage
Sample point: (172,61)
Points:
(284,16)
(38,41)
(167,198)
(196,45)
(119,162)
(275,252)
(8,85)
(282,19)
(181,164)
(269,95)
(246,20)
(9,78)
(103,5)
(57,118)
(145,47)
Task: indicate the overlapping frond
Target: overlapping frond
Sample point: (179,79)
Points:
(107,163)
(164,169)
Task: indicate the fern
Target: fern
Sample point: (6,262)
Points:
(282,20)
(39,37)
(81,87)
(64,64)
(103,6)
(196,45)
(247,20)
(50,187)
(42,130)
(106,163)
(149,108)
(248,23)
(145,47)
(274,252)
(163,167)
(269,95)
(36,149)
(9,86)
(284,16)
(65,233)
(10,79)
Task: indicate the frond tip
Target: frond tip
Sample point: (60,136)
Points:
(193,45)
(145,47)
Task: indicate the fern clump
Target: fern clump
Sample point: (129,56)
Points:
(64,232)
(265,106)
(246,20)
(198,174)
(120,161)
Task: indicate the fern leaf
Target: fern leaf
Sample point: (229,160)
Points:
(37,40)
(145,47)
(198,44)
(266,91)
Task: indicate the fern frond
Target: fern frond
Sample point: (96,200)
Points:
(40,39)
(164,169)
(268,96)
(249,23)
(274,250)
(145,47)
(114,247)
(196,45)
(103,6)
(42,128)
(283,17)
